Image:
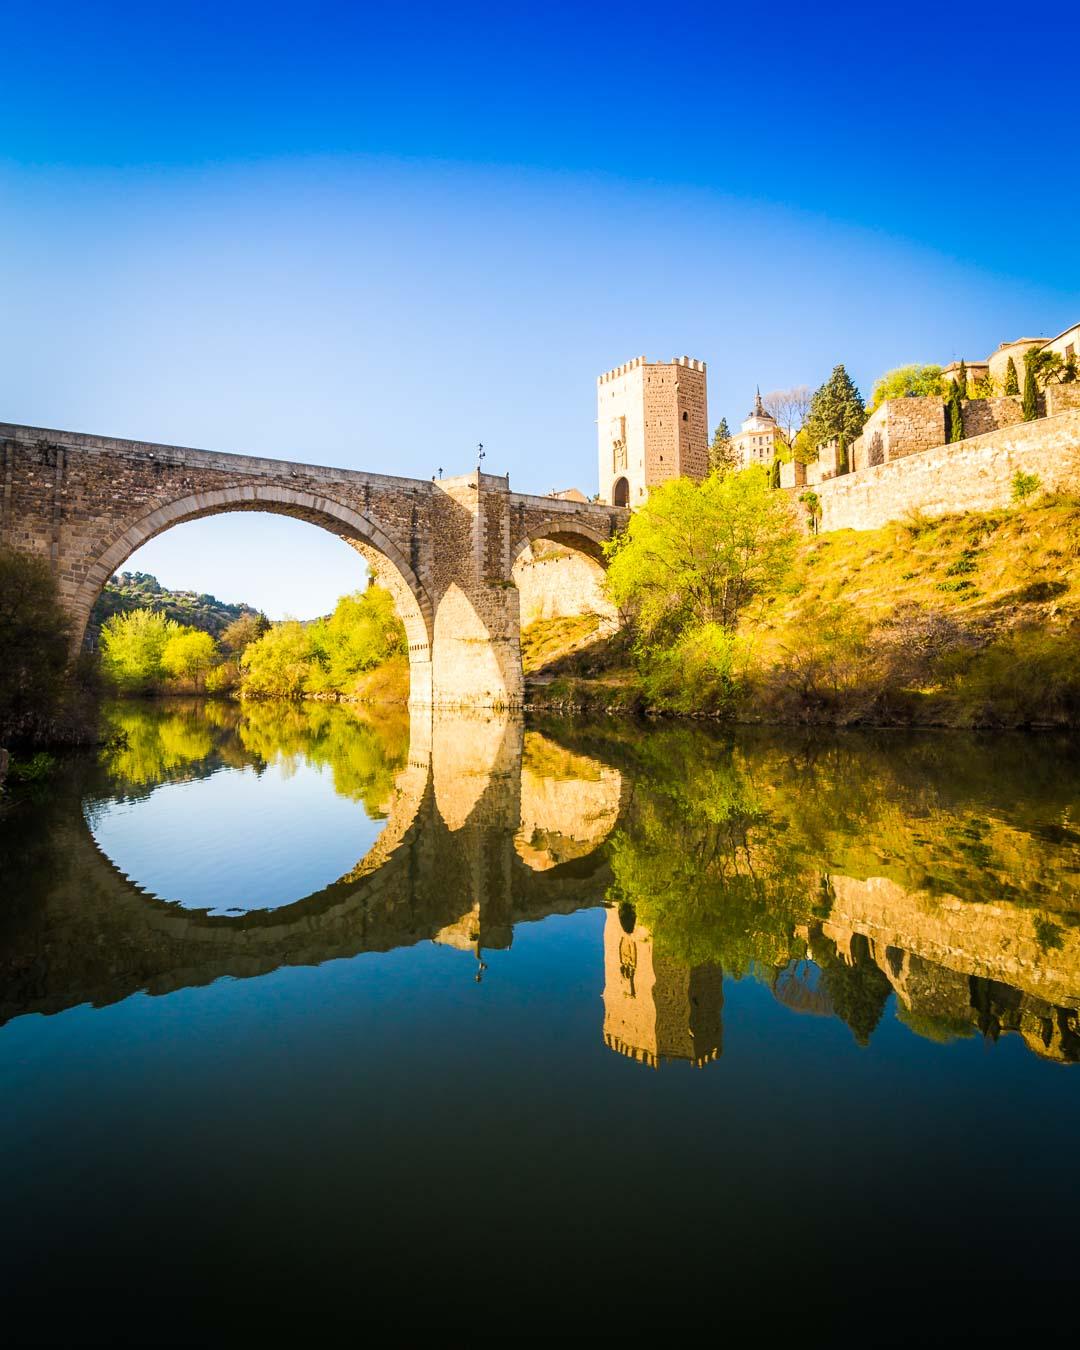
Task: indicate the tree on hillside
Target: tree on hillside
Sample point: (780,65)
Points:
(1012,383)
(789,408)
(907,382)
(696,553)
(721,454)
(837,413)
(35,634)
(962,378)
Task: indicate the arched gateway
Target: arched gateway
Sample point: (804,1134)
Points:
(444,549)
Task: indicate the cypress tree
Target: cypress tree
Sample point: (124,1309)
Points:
(962,378)
(775,477)
(1031,393)
(1012,384)
(956,414)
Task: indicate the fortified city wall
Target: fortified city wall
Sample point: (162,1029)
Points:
(970,475)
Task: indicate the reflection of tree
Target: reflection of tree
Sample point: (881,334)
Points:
(696,859)
(363,757)
(857,990)
(154,743)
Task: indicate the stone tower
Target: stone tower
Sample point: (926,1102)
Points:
(652,425)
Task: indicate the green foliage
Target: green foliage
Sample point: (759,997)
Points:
(837,413)
(1012,383)
(812,502)
(907,382)
(242,631)
(698,553)
(774,475)
(33,770)
(189,655)
(962,378)
(1031,391)
(280,663)
(35,637)
(294,660)
(132,648)
(955,410)
(1024,485)
(721,454)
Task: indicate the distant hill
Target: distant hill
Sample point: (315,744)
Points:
(139,590)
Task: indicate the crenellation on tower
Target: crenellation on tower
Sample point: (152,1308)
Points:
(652,425)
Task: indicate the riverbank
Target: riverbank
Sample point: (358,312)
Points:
(963,621)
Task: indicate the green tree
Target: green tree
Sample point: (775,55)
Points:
(907,382)
(1012,384)
(837,413)
(697,553)
(1031,391)
(189,655)
(35,636)
(132,646)
(363,632)
(243,631)
(279,664)
(955,409)
(962,378)
(721,453)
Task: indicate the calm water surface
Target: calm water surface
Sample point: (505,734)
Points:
(314,1022)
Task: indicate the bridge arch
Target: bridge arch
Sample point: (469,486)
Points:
(565,582)
(362,532)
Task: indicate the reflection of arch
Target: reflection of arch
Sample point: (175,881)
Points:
(411,599)
(620,492)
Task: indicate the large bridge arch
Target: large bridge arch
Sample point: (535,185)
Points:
(362,532)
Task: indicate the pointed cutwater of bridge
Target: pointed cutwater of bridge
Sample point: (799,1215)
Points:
(445,549)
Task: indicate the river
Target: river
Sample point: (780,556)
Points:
(316,1017)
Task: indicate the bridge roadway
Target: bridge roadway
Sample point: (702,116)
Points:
(445,549)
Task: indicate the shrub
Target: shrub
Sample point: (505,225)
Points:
(1024,485)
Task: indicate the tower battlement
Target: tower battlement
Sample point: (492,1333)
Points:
(652,425)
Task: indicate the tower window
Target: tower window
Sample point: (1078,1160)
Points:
(686,417)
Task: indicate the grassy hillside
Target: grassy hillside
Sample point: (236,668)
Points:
(139,590)
(970,620)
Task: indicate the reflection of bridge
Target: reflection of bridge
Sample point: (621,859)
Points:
(453,863)
(488,826)
(446,550)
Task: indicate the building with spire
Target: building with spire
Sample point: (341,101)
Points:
(756,442)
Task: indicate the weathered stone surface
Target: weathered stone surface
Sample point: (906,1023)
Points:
(969,475)
(445,549)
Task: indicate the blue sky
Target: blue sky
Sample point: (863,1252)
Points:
(373,238)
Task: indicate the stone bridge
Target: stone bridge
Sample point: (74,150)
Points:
(445,549)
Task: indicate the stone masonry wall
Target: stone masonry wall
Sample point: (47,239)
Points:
(970,475)
(991,414)
(1061,398)
(555,582)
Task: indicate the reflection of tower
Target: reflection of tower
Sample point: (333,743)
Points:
(655,1008)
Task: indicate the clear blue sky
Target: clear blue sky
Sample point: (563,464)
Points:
(372,236)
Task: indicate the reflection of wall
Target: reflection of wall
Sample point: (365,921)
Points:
(569,803)
(954,962)
(655,1008)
